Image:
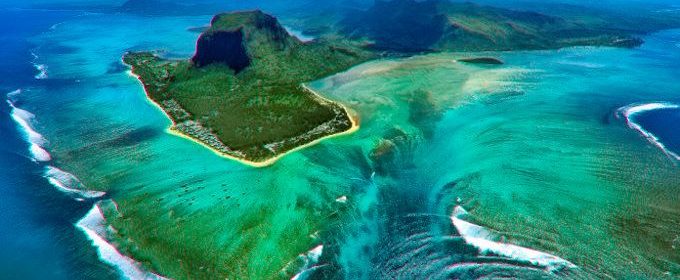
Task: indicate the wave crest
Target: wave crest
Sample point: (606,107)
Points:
(25,119)
(68,183)
(95,228)
(306,263)
(485,240)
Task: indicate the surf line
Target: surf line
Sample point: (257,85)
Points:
(485,240)
(93,224)
(629,112)
(309,263)
(25,120)
(68,183)
(62,180)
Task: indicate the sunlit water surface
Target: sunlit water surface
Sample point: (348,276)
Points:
(529,169)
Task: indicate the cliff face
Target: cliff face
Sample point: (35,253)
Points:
(222,47)
(260,109)
(236,39)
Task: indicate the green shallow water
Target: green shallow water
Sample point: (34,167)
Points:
(533,150)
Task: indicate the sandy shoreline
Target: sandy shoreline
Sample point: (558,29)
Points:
(268,162)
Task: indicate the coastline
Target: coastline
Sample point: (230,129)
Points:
(257,164)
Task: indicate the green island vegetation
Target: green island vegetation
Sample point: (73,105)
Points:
(242,93)
(439,25)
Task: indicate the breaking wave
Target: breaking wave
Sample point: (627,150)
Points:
(486,241)
(42,68)
(64,181)
(68,183)
(95,228)
(629,112)
(39,154)
(42,71)
(309,261)
(25,119)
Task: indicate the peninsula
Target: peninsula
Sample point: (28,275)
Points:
(242,93)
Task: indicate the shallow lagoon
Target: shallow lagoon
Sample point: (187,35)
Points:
(534,150)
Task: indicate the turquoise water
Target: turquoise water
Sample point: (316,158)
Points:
(37,234)
(537,153)
(527,170)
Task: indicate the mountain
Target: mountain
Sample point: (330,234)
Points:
(241,93)
(233,39)
(436,25)
(401,25)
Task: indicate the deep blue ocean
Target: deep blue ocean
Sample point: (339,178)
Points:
(90,122)
(664,124)
(37,232)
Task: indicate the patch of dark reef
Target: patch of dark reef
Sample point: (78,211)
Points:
(424,112)
(394,152)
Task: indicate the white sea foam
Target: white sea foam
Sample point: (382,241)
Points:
(629,113)
(68,183)
(310,259)
(633,109)
(305,273)
(42,71)
(485,241)
(39,154)
(94,226)
(42,68)
(24,119)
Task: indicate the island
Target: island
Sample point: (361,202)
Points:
(243,95)
(481,60)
